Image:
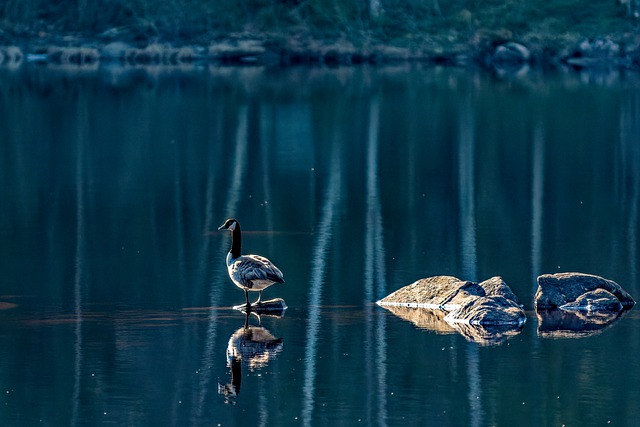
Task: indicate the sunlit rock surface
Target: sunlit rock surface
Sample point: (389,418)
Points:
(581,292)
(486,303)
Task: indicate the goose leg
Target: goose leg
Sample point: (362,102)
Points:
(246,296)
(246,306)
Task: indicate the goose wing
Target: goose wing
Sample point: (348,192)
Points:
(257,268)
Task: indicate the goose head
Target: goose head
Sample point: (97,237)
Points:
(230,224)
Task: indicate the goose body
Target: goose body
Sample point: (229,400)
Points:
(248,272)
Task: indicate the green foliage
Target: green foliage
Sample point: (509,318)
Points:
(190,20)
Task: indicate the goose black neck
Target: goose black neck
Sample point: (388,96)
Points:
(236,242)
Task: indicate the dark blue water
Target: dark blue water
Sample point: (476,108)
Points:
(114,296)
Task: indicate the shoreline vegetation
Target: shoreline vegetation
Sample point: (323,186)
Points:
(495,34)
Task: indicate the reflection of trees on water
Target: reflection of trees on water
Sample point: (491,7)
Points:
(239,160)
(81,137)
(467,192)
(375,284)
(628,176)
(537,203)
(123,171)
(468,243)
(322,245)
(187,181)
(628,170)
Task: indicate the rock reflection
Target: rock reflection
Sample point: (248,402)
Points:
(575,324)
(249,346)
(487,334)
(435,321)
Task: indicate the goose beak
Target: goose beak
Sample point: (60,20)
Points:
(222,227)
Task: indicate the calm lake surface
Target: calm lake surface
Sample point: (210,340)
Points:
(115,304)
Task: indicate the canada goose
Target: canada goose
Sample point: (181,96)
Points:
(248,272)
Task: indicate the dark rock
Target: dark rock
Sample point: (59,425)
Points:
(489,310)
(511,53)
(595,54)
(116,50)
(238,52)
(577,291)
(574,305)
(273,307)
(509,59)
(600,48)
(390,54)
(79,56)
(487,303)
(598,300)
(10,55)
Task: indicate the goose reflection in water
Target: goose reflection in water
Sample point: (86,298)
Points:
(251,346)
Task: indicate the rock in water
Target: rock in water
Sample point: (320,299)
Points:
(578,291)
(487,303)
(489,310)
(511,53)
(574,305)
(273,307)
